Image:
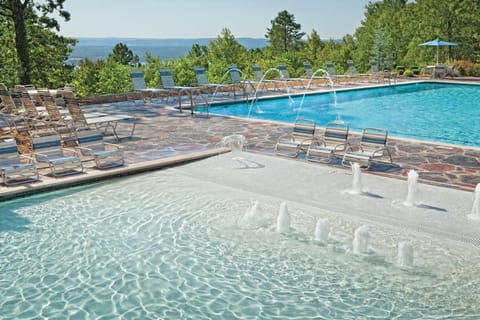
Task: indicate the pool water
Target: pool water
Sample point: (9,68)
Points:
(169,245)
(447,113)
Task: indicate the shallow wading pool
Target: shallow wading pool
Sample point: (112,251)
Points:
(187,243)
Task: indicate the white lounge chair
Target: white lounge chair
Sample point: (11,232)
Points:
(352,72)
(237,81)
(332,144)
(106,155)
(99,120)
(15,168)
(312,78)
(302,135)
(169,83)
(286,76)
(140,85)
(333,73)
(61,161)
(11,115)
(202,81)
(262,83)
(372,147)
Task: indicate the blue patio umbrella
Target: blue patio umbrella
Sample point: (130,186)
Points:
(437,43)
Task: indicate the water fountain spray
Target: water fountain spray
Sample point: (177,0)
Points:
(322,230)
(412,192)
(475,215)
(360,240)
(283,219)
(405,254)
(255,96)
(332,86)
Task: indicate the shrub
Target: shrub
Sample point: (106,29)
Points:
(400,70)
(408,73)
(467,68)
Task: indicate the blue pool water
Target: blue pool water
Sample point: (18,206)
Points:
(448,113)
(175,244)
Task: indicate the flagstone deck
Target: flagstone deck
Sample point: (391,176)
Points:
(162,133)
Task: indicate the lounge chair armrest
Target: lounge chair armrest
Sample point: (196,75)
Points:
(112,145)
(353,148)
(286,136)
(307,140)
(318,142)
(72,152)
(42,156)
(84,148)
(29,158)
(381,152)
(341,147)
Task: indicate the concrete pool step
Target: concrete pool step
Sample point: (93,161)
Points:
(48,183)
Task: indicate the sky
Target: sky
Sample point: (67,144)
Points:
(332,19)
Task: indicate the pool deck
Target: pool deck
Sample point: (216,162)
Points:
(165,137)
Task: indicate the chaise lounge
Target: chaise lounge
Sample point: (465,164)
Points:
(14,167)
(372,147)
(332,144)
(302,135)
(106,155)
(61,161)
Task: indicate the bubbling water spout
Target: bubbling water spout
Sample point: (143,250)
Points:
(250,215)
(283,219)
(475,215)
(412,193)
(360,240)
(234,142)
(357,187)
(405,254)
(322,230)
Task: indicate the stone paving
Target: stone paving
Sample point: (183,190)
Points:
(162,132)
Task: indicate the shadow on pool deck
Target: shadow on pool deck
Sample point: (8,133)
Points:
(165,137)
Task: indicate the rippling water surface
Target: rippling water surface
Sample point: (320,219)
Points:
(447,113)
(169,246)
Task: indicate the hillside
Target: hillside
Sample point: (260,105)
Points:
(99,48)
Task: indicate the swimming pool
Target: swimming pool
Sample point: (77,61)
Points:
(439,112)
(173,244)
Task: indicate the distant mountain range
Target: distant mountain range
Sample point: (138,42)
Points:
(99,48)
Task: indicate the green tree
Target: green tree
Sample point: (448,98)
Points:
(285,34)
(123,55)
(151,70)
(113,78)
(380,37)
(22,14)
(87,76)
(450,20)
(198,55)
(8,57)
(223,51)
(313,47)
(49,55)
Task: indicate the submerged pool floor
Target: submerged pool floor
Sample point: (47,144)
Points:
(182,243)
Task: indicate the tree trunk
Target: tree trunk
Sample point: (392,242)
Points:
(21,41)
